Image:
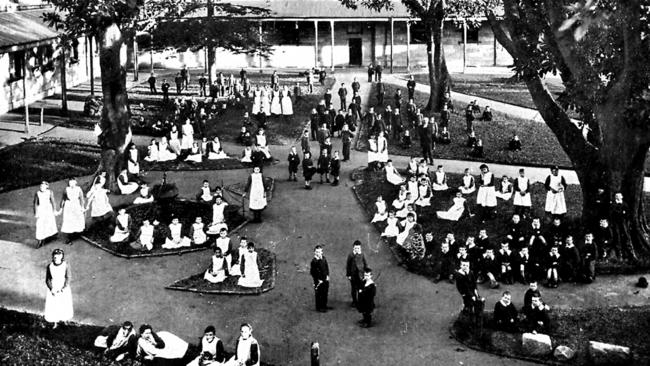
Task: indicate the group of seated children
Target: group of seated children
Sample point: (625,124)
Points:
(118,343)
(534,313)
(192,151)
(226,262)
(523,255)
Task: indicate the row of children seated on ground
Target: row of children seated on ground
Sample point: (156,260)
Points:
(176,236)
(118,343)
(226,261)
(170,150)
(521,256)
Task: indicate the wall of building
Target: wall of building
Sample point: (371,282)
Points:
(37,84)
(301,52)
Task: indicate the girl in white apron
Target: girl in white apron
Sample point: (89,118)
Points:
(72,204)
(58,300)
(44,212)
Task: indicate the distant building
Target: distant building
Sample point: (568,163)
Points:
(351,38)
(30,66)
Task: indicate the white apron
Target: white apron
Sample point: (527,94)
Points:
(58,307)
(257,199)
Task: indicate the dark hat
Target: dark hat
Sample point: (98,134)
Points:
(643,282)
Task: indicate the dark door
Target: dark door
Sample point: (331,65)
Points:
(356,57)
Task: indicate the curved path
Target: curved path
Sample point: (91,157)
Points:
(412,315)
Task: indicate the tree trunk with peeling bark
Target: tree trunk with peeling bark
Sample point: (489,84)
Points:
(114,122)
(439,79)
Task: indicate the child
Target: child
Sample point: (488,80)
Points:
(218,271)
(477,151)
(406,139)
(294,163)
(196,232)
(504,257)
(522,201)
(304,141)
(223,242)
(218,218)
(391,229)
(152,154)
(445,138)
(308,169)
(469,185)
(406,225)
(381,214)
(424,194)
(324,166)
(235,268)
(455,212)
(144,197)
(440,180)
(552,267)
(122,227)
(335,168)
(392,175)
(176,238)
(145,236)
(505,189)
(250,273)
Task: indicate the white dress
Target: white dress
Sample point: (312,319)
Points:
(401,237)
(400,208)
(555,203)
(74,220)
(195,155)
(58,307)
(146,237)
(188,136)
(247,156)
(174,143)
(257,102)
(287,104)
(382,213)
(392,176)
(218,218)
(266,103)
(372,151)
(128,187)
(243,353)
(235,269)
(454,212)
(207,347)
(382,149)
(505,192)
(468,186)
(391,229)
(99,204)
(132,164)
(45,220)
(486,195)
(260,141)
(121,234)
(164,152)
(176,239)
(276,107)
(217,272)
(198,235)
(424,196)
(412,187)
(251,274)
(153,153)
(440,181)
(257,197)
(522,199)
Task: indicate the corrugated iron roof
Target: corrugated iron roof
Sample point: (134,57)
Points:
(23,28)
(318,9)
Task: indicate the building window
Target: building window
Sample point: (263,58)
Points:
(45,58)
(16,62)
(418,33)
(287,33)
(472,35)
(354,29)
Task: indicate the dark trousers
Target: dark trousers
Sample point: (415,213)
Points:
(179,87)
(355,286)
(202,90)
(344,105)
(367,318)
(411,92)
(166,96)
(152,89)
(380,99)
(257,215)
(378,76)
(321,295)
(426,153)
(346,150)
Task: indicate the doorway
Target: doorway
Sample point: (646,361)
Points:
(356,56)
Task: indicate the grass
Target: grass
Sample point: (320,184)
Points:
(498,87)
(187,211)
(625,326)
(369,185)
(176,165)
(227,125)
(540,146)
(31,162)
(196,283)
(26,339)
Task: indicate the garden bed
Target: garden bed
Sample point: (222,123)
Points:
(31,162)
(98,233)
(26,339)
(196,283)
(369,185)
(624,326)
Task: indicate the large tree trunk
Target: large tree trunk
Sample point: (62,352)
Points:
(114,122)
(439,79)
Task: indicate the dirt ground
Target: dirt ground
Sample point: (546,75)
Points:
(412,315)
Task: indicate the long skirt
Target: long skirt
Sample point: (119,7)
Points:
(522,200)
(74,220)
(486,197)
(58,308)
(45,221)
(555,203)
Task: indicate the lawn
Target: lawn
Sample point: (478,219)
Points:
(196,283)
(540,147)
(228,123)
(369,185)
(26,339)
(625,326)
(99,232)
(500,87)
(31,162)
